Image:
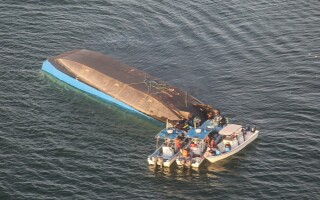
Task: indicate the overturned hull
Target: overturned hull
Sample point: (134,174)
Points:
(111,80)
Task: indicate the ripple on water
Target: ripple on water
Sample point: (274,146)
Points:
(256,61)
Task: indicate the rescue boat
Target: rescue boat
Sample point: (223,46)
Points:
(169,149)
(234,138)
(215,142)
(195,153)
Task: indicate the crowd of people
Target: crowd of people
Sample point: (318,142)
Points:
(194,121)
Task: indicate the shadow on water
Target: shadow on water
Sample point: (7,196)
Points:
(207,169)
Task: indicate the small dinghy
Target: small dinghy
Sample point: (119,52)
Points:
(173,140)
(234,139)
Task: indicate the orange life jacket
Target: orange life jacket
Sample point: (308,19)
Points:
(185,153)
(193,145)
(178,145)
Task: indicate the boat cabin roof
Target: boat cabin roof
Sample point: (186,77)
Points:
(206,123)
(230,129)
(208,126)
(192,133)
(165,134)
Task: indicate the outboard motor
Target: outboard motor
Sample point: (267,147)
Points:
(160,161)
(188,163)
(154,160)
(253,129)
(244,133)
(182,161)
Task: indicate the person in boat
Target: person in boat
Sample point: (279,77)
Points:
(182,125)
(193,144)
(218,119)
(210,115)
(212,143)
(183,139)
(182,136)
(197,121)
(177,143)
(216,151)
(208,153)
(210,139)
(190,119)
(223,121)
(185,123)
(193,120)
(207,139)
(217,116)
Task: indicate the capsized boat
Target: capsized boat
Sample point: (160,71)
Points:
(172,141)
(201,138)
(116,82)
(234,138)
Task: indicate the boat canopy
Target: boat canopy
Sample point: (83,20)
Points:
(230,129)
(195,133)
(167,134)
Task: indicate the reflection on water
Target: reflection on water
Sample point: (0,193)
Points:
(206,170)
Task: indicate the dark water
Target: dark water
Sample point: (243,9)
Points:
(257,61)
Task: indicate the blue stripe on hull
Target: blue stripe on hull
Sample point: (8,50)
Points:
(49,68)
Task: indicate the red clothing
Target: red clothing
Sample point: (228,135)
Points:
(212,143)
(193,145)
(178,145)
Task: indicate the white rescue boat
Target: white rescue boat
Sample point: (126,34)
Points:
(195,153)
(172,141)
(234,138)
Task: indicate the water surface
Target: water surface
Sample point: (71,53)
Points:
(257,61)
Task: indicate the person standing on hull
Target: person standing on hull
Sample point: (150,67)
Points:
(190,119)
(194,120)
(218,119)
(210,115)
(217,116)
(221,120)
(182,125)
